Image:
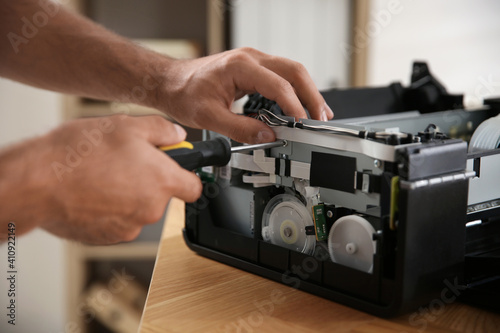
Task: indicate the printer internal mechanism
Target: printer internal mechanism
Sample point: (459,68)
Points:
(379,209)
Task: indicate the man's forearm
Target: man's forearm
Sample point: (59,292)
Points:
(45,45)
(68,53)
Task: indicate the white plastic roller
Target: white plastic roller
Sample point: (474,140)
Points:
(284,224)
(486,136)
(351,243)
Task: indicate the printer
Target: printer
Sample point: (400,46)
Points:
(392,205)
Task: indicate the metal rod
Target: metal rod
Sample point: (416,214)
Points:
(277,143)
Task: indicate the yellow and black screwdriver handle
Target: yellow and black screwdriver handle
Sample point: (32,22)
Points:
(195,155)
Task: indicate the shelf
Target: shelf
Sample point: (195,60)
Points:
(174,48)
(128,251)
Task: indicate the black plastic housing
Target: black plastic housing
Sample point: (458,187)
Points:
(413,265)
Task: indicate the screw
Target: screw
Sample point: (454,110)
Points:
(470,125)
(329,214)
(377,163)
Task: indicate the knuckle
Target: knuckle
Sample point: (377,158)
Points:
(298,71)
(238,58)
(247,50)
(285,87)
(299,67)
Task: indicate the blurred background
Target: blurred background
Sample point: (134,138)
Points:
(342,43)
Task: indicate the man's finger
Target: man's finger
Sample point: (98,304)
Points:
(299,78)
(240,128)
(181,183)
(251,76)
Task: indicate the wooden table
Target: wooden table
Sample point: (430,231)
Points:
(190,293)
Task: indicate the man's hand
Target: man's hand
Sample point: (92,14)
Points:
(107,194)
(76,56)
(97,180)
(199,93)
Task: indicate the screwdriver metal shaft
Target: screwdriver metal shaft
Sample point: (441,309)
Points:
(244,148)
(215,152)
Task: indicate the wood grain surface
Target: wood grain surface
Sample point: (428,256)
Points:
(190,293)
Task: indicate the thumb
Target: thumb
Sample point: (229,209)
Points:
(242,129)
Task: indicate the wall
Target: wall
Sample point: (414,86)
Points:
(25,112)
(458,39)
(307,31)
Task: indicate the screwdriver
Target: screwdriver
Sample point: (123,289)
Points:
(216,152)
